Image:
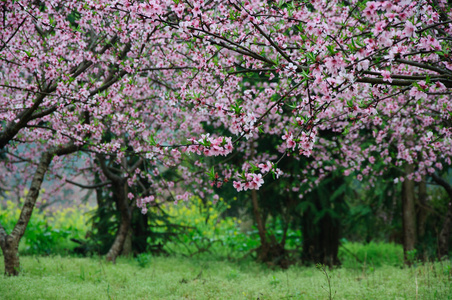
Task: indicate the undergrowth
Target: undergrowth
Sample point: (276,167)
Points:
(48,232)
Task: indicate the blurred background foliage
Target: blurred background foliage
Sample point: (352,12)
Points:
(368,223)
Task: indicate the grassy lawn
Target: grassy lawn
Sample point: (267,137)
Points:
(209,278)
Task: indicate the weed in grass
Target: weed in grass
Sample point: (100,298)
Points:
(82,273)
(233,274)
(322,268)
(143,260)
(275,281)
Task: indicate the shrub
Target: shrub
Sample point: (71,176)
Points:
(48,231)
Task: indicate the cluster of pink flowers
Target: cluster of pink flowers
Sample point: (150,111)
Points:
(142,203)
(305,142)
(253,181)
(210,146)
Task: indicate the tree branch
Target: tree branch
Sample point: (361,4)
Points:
(439,180)
(94,186)
(109,174)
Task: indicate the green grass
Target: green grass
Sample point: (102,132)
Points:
(373,254)
(208,278)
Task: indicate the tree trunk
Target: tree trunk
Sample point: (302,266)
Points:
(141,233)
(118,244)
(259,222)
(320,239)
(270,251)
(422,214)
(10,243)
(127,247)
(321,233)
(444,235)
(124,227)
(10,249)
(408,214)
(123,241)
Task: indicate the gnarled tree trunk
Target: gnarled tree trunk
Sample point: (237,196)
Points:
(9,243)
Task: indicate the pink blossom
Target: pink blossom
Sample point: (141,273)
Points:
(265,167)
(410,29)
(238,186)
(386,75)
(417,94)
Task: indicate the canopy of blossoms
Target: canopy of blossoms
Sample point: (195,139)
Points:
(152,73)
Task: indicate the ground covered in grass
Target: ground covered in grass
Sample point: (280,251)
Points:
(56,277)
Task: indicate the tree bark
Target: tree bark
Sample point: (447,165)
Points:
(408,214)
(124,227)
(258,218)
(9,243)
(10,249)
(444,235)
(127,247)
(122,205)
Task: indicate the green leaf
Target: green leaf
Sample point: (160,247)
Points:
(331,49)
(152,141)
